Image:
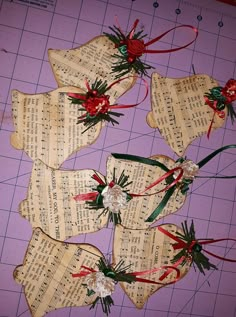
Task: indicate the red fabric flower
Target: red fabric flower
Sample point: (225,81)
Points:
(96,105)
(135,47)
(229,91)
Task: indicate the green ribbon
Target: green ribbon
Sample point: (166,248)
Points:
(185,182)
(213,154)
(140,159)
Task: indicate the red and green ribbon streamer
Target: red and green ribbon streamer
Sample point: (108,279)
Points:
(182,244)
(172,183)
(184,183)
(169,269)
(93,195)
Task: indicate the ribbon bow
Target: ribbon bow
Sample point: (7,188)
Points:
(132,47)
(95,102)
(220,97)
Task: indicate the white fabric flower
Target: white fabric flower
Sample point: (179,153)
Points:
(114,198)
(190,169)
(102,285)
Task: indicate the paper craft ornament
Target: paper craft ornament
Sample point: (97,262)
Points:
(46,274)
(147,250)
(135,192)
(177,248)
(179,110)
(68,203)
(89,61)
(107,58)
(56,274)
(46,125)
(131,47)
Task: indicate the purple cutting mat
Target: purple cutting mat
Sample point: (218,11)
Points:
(27,30)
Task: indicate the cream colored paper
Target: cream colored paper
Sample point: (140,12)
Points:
(89,61)
(46,126)
(146,250)
(46,274)
(142,175)
(179,110)
(50,204)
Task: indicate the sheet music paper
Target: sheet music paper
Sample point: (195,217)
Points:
(146,250)
(179,110)
(142,175)
(89,61)
(46,126)
(46,273)
(50,204)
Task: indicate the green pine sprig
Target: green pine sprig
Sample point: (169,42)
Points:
(122,67)
(214,94)
(106,303)
(88,120)
(197,258)
(118,274)
(123,182)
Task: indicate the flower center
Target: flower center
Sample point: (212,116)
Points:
(114,198)
(102,285)
(97,105)
(190,169)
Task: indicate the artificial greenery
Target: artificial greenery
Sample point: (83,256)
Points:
(123,182)
(215,94)
(126,62)
(98,90)
(118,274)
(192,252)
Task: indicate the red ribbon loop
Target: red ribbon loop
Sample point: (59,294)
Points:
(220,113)
(159,180)
(137,48)
(173,49)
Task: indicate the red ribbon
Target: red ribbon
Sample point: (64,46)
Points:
(103,100)
(220,113)
(182,244)
(137,48)
(138,279)
(93,195)
(159,180)
(229,91)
